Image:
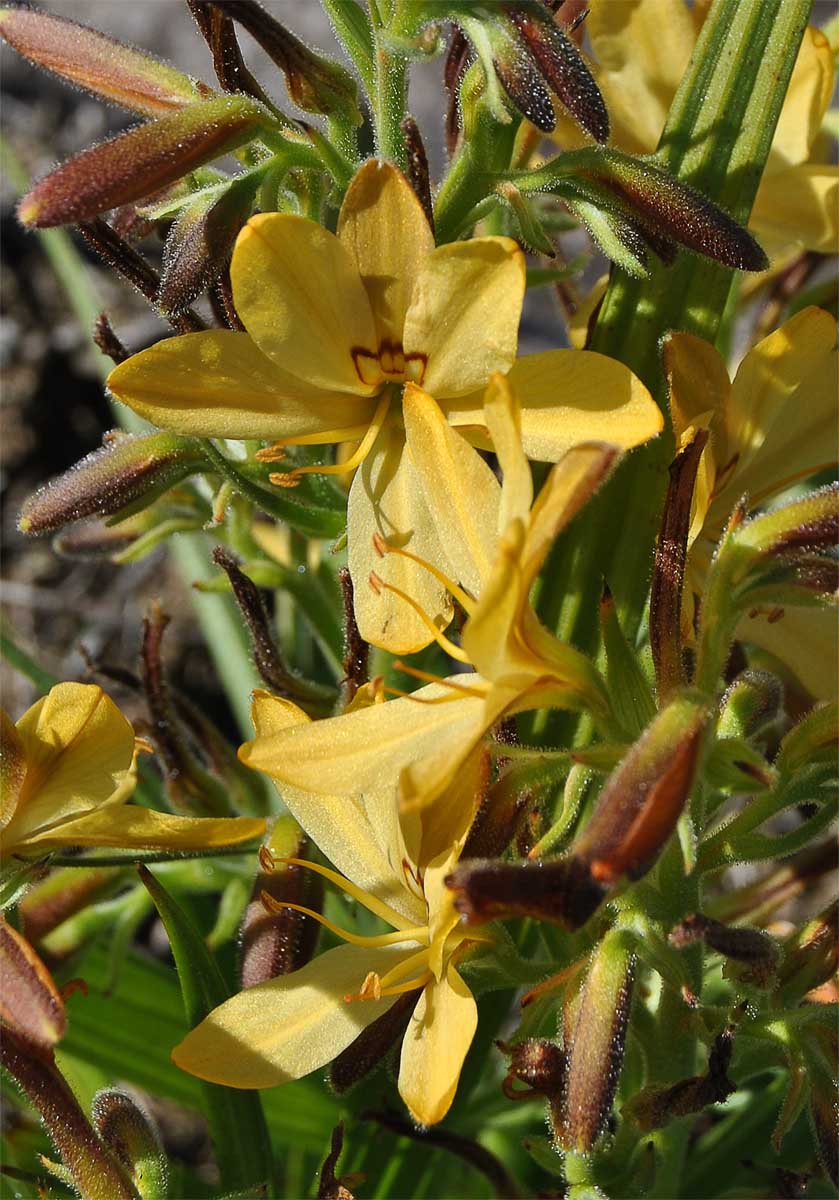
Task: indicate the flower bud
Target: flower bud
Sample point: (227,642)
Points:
(530,229)
(644,796)
(30,1003)
(561,891)
(811,523)
(129,1133)
(537,1063)
(279,940)
(520,79)
(200,243)
(753,955)
(101,540)
(61,895)
(315,83)
(372,1045)
(128,470)
(647,195)
(751,703)
(811,957)
(595,1053)
(501,812)
(98,63)
(560,64)
(813,739)
(142,160)
(654,1108)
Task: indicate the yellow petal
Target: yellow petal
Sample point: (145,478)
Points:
(489,636)
(464,313)
(580,319)
(771,373)
(218,384)
(79,751)
(502,412)
(337,821)
(129,827)
(460,489)
(283,1029)
(642,48)
(805,103)
(12,768)
(797,208)
(302,301)
(568,397)
(386,498)
(383,226)
(442,914)
(697,381)
(805,641)
(435,1046)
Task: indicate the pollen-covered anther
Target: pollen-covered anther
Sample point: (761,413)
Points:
(284,479)
(371,989)
(273,453)
(380,545)
(267,861)
(376,582)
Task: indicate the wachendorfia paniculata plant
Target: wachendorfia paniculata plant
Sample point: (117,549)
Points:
(544,644)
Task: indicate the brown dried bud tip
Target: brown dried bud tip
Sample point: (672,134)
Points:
(756,950)
(128,469)
(142,161)
(538,1064)
(330,1186)
(30,1003)
(597,1044)
(98,63)
(644,796)
(562,891)
(654,1108)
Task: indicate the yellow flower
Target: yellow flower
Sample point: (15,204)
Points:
(337,325)
(67,769)
(774,424)
(428,744)
(642,49)
(289,1026)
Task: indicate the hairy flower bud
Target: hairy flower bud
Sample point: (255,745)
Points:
(811,956)
(753,955)
(752,702)
(30,1003)
(128,470)
(654,1107)
(277,940)
(129,1133)
(538,1064)
(142,161)
(98,63)
(644,796)
(598,1038)
(372,1045)
(561,891)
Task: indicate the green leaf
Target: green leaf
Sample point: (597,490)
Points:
(236,1120)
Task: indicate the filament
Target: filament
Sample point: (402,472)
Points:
(355,939)
(370,902)
(384,547)
(292,478)
(378,584)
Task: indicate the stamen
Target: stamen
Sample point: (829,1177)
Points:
(378,585)
(348,433)
(427,677)
(292,478)
(370,902)
(376,986)
(384,547)
(406,967)
(267,861)
(355,939)
(400,695)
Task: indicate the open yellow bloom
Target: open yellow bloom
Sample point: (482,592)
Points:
(774,424)
(641,50)
(289,1026)
(337,325)
(67,769)
(427,744)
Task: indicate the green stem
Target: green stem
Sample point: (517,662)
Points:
(390,105)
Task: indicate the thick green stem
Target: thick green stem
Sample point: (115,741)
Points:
(391,101)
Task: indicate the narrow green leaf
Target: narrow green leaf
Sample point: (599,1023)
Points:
(236,1120)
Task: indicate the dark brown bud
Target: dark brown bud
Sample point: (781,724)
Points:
(654,1108)
(330,1187)
(595,1054)
(130,1134)
(456,60)
(523,84)
(538,1064)
(61,895)
(418,173)
(99,64)
(755,951)
(126,471)
(278,940)
(315,83)
(372,1045)
(560,64)
(142,160)
(561,891)
(644,796)
(30,1003)
(500,817)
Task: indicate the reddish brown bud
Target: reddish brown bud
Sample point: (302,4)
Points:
(595,1054)
(755,951)
(538,1064)
(372,1045)
(561,891)
(141,161)
(523,84)
(61,895)
(98,63)
(30,1003)
(279,940)
(560,64)
(644,796)
(127,470)
(654,1108)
